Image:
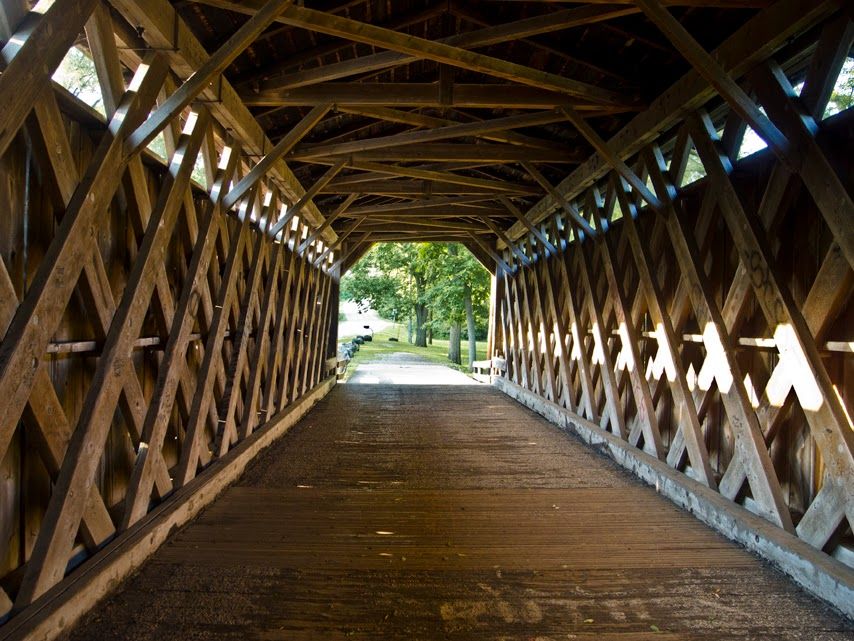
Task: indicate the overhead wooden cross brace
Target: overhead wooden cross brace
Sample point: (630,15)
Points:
(439,133)
(375,36)
(343,207)
(540,236)
(613,159)
(525,28)
(341,238)
(712,71)
(212,68)
(282,147)
(567,206)
(308,195)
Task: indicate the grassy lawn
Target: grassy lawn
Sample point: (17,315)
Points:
(437,352)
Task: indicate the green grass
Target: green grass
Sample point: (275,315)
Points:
(436,353)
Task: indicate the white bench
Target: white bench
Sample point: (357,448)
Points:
(483,371)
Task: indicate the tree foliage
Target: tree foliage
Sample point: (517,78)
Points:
(77,73)
(409,281)
(842,97)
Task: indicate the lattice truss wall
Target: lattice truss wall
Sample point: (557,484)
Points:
(709,324)
(154,323)
(151,323)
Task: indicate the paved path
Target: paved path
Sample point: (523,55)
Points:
(449,512)
(402,368)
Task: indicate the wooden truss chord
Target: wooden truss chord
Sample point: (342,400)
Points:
(450,152)
(211,69)
(381,170)
(422,120)
(162,29)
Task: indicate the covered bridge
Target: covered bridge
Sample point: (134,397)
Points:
(662,192)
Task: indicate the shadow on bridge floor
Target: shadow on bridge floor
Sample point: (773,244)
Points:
(449,512)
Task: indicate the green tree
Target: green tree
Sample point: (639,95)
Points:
(392,279)
(77,74)
(440,286)
(459,292)
(842,97)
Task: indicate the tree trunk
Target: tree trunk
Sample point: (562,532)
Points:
(420,312)
(430,328)
(454,342)
(420,325)
(470,328)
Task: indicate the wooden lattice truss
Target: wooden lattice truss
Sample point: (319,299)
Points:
(639,326)
(242,323)
(671,317)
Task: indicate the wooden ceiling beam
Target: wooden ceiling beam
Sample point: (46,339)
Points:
(473,215)
(209,71)
(438,176)
(163,30)
(421,120)
(415,188)
(456,210)
(397,94)
(465,11)
(754,42)
(376,36)
(419,225)
(424,236)
(440,133)
(449,152)
(546,23)
(718,4)
(410,205)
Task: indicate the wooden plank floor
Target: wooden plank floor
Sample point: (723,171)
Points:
(415,512)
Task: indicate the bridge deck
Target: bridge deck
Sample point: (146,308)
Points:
(426,512)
